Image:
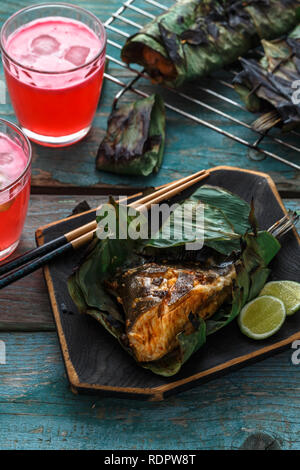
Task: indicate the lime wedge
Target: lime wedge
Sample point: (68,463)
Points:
(262,317)
(287,291)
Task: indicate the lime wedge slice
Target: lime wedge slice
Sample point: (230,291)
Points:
(287,291)
(262,317)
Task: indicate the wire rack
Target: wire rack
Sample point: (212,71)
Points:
(213,99)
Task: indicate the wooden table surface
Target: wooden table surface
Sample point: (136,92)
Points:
(37,409)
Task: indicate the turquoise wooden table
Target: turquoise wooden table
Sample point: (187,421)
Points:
(37,409)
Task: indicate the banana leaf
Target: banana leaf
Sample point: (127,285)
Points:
(195,37)
(253,252)
(226,219)
(101,262)
(268,84)
(135,138)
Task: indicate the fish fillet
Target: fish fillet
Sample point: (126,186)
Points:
(158,299)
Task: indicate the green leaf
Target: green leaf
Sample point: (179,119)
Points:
(233,207)
(113,326)
(252,274)
(226,218)
(213,227)
(265,245)
(86,285)
(258,279)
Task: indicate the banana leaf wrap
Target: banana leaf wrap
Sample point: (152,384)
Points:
(135,138)
(270,83)
(230,229)
(195,37)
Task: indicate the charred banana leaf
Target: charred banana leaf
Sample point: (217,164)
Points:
(196,37)
(161,312)
(135,138)
(272,83)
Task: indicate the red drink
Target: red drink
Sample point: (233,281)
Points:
(15,162)
(54,69)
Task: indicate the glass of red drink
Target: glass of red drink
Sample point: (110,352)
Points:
(15,174)
(54,57)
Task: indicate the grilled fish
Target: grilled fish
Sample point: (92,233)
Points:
(158,300)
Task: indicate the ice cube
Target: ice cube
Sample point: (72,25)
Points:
(44,45)
(4,181)
(77,55)
(28,59)
(5,159)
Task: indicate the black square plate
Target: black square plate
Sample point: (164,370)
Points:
(94,360)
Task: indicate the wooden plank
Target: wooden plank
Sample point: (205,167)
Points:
(189,146)
(37,411)
(25,304)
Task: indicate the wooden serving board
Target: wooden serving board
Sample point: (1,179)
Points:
(94,360)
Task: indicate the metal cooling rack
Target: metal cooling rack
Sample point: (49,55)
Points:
(216,100)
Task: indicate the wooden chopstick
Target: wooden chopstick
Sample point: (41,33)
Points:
(82,235)
(164,192)
(56,243)
(168,192)
(39,262)
(79,231)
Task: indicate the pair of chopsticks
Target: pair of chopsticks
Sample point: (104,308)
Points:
(38,257)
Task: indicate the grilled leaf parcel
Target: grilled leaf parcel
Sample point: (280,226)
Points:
(135,138)
(195,37)
(161,301)
(268,84)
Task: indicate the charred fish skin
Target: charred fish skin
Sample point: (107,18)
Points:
(158,299)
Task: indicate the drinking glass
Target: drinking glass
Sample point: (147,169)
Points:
(54,108)
(14,193)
